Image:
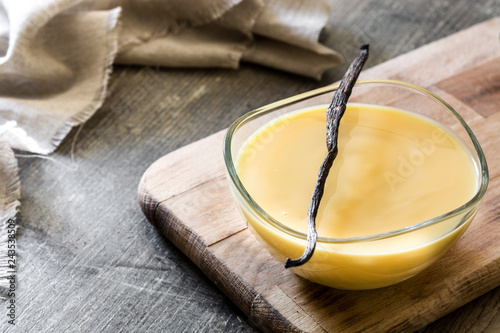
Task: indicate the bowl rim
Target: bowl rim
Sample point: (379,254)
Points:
(233,176)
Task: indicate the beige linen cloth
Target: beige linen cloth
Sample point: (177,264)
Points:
(56,57)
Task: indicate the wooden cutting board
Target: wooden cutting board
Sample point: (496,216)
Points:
(186,196)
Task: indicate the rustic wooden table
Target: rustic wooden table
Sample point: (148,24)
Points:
(90,262)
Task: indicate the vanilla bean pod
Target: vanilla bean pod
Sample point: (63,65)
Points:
(334,113)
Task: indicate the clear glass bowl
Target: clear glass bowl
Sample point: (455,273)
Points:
(352,263)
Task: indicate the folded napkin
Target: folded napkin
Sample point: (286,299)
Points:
(56,56)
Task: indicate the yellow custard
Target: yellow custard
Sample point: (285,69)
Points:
(394,169)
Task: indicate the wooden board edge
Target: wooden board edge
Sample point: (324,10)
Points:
(146,201)
(254,305)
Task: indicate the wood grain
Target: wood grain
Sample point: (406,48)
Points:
(195,211)
(478,87)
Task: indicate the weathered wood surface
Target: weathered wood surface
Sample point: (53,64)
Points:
(89,260)
(186,196)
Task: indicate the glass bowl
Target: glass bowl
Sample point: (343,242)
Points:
(373,260)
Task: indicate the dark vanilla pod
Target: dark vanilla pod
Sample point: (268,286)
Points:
(334,114)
